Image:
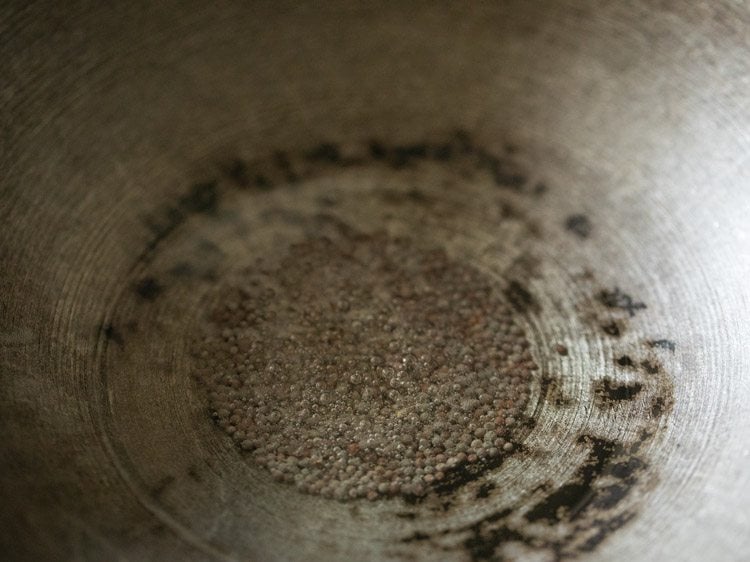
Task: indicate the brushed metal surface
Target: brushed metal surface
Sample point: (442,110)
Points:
(635,117)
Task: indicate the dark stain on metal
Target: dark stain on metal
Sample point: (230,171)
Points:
(624,361)
(612,329)
(148,288)
(262,182)
(520,297)
(658,407)
(663,344)
(410,515)
(202,198)
(194,474)
(571,498)
(284,164)
(617,299)
(579,224)
(416,536)
(161,486)
(238,172)
(484,490)
(112,334)
(608,391)
(325,152)
(503,173)
(651,367)
(182,269)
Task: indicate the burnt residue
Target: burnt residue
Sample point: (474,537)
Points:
(416,536)
(410,515)
(658,406)
(603,528)
(579,224)
(378,151)
(612,329)
(520,297)
(161,486)
(112,334)
(615,298)
(508,211)
(504,173)
(650,367)
(484,490)
(201,198)
(568,501)
(325,152)
(399,197)
(663,344)
(458,477)
(463,474)
(148,288)
(624,361)
(483,543)
(262,182)
(552,392)
(608,391)
(238,172)
(194,474)
(442,152)
(407,154)
(284,164)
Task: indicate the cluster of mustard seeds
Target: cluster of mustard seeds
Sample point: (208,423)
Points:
(364,367)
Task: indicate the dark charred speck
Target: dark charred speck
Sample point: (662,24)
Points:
(148,288)
(162,486)
(521,299)
(501,174)
(442,152)
(657,407)
(579,224)
(617,299)
(417,536)
(569,501)
(194,474)
(482,544)
(626,469)
(406,515)
(202,198)
(404,155)
(325,152)
(284,164)
(239,173)
(611,329)
(485,489)
(663,344)
(609,390)
(650,367)
(182,269)
(561,349)
(604,529)
(624,361)
(113,334)
(262,182)
(377,150)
